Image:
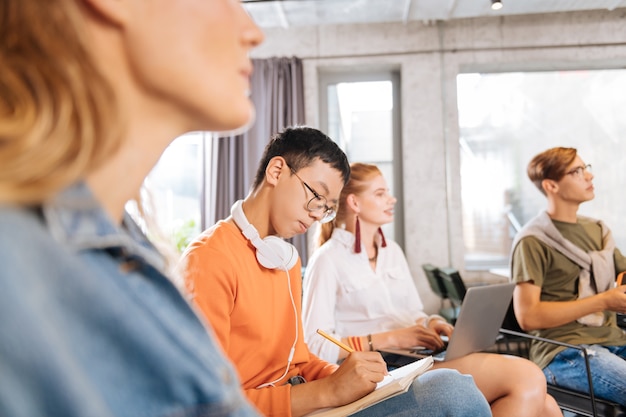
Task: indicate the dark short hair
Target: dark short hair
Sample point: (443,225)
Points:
(550,165)
(301,146)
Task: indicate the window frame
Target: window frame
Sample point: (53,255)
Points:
(331,76)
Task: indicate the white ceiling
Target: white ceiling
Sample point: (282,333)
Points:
(289,13)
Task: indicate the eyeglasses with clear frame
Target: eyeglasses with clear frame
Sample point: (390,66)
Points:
(317,203)
(579,171)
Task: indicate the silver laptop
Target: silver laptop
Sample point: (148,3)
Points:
(477,326)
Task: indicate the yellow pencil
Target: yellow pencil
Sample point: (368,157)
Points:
(335,341)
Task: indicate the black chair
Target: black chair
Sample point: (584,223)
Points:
(578,403)
(434,280)
(509,343)
(438,287)
(455,288)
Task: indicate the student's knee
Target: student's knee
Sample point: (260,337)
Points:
(455,394)
(531,376)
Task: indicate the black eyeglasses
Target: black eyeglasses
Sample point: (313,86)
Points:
(317,203)
(579,172)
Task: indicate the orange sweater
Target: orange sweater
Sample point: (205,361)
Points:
(250,310)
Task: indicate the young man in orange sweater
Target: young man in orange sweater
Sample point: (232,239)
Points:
(246,280)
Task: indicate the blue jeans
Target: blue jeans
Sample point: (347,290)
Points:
(436,393)
(608,368)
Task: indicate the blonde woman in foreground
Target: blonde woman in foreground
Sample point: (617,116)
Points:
(92,92)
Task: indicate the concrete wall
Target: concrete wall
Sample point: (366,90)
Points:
(429,56)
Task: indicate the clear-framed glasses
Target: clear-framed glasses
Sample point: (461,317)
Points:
(318,203)
(579,171)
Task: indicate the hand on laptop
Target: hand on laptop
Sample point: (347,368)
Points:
(412,336)
(441,327)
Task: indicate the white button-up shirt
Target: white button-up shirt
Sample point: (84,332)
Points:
(344,296)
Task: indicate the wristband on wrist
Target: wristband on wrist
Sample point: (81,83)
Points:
(369,342)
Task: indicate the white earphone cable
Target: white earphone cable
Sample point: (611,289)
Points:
(293,347)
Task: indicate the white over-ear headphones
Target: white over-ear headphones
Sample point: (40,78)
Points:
(272,252)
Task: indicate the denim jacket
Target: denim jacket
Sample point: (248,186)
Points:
(90,325)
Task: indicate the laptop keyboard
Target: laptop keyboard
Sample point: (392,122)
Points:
(430,352)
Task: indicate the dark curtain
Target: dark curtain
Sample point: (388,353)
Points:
(278,96)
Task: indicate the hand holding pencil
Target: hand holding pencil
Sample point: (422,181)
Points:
(360,372)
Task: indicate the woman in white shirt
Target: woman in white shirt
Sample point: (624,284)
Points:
(358,287)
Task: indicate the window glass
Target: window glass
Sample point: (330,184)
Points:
(507,118)
(361,119)
(172,193)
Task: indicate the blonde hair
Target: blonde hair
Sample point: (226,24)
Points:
(360,175)
(57,112)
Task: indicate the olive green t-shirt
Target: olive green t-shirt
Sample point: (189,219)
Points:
(557,276)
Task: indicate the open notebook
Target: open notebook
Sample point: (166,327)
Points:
(482,312)
(398,381)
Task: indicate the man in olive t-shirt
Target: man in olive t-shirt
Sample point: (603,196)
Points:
(565,267)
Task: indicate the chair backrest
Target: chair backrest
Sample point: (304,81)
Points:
(455,287)
(510,321)
(434,280)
